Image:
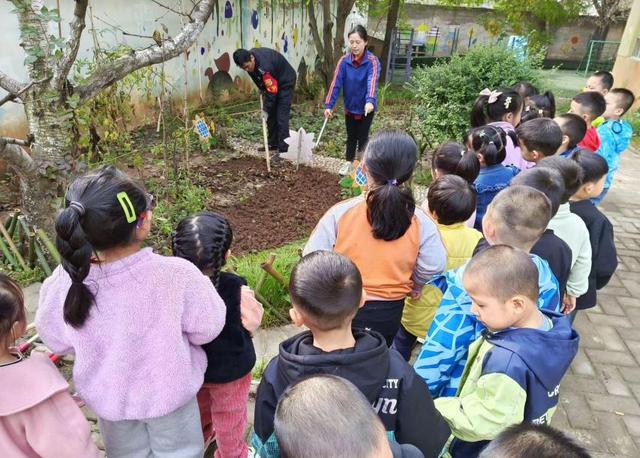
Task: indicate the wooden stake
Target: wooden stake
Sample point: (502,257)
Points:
(275,274)
(12,246)
(186,110)
(263,275)
(7,254)
(50,246)
(59,22)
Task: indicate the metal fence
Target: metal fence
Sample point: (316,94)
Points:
(600,55)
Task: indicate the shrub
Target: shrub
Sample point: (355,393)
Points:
(446,91)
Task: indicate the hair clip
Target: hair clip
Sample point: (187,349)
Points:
(462,152)
(127,206)
(393,182)
(507,102)
(493,95)
(78,207)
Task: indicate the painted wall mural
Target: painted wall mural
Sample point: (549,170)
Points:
(278,24)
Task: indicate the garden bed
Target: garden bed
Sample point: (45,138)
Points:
(267,210)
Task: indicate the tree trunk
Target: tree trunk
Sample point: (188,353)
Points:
(46,171)
(328,47)
(392,19)
(50,125)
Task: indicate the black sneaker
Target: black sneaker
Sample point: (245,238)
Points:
(276,159)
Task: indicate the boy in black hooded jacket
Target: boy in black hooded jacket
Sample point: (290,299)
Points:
(326,292)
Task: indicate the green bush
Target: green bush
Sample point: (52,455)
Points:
(445,92)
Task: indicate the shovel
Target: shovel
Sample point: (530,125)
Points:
(264,116)
(321,131)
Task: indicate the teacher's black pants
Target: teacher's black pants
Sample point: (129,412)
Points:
(278,107)
(357,135)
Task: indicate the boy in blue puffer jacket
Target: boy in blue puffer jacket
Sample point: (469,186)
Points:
(444,354)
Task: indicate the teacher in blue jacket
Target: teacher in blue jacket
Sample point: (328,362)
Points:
(358,73)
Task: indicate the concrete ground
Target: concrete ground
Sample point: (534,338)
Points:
(600,396)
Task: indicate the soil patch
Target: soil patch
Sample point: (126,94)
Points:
(268,210)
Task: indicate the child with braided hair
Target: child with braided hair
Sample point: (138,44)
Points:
(205,239)
(501,108)
(489,143)
(132,318)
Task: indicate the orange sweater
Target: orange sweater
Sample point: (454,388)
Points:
(390,270)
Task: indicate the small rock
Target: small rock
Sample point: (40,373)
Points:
(97,439)
(89,414)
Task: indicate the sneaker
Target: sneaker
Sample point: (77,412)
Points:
(346,168)
(276,159)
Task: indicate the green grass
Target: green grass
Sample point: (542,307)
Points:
(563,83)
(392,114)
(277,310)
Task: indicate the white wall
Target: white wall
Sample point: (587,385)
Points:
(279,24)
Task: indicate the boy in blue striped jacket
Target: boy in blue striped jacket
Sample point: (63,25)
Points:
(444,354)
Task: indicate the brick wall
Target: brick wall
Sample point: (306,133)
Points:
(570,41)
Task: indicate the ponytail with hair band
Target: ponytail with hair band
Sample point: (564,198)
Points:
(93,221)
(390,158)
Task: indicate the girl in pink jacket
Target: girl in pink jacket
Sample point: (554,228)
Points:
(38,417)
(134,320)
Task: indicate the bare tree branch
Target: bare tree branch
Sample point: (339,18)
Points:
(9,84)
(10,97)
(168,8)
(12,151)
(70,53)
(313,23)
(108,73)
(121,30)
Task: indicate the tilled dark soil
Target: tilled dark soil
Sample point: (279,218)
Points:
(268,209)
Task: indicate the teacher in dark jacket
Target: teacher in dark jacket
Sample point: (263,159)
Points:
(276,80)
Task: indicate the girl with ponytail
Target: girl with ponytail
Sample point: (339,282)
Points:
(134,320)
(539,106)
(501,108)
(394,244)
(489,143)
(204,239)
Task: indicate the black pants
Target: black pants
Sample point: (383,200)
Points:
(278,107)
(357,135)
(404,342)
(381,316)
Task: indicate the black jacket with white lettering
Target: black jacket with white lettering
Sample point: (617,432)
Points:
(396,392)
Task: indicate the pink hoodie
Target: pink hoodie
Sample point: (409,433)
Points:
(138,355)
(38,417)
(514,156)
